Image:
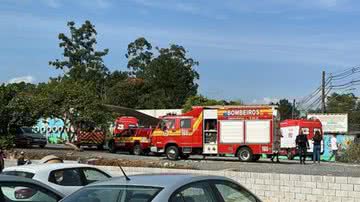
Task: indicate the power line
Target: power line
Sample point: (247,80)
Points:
(344,72)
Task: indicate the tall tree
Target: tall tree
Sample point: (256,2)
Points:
(81,60)
(344,103)
(169,73)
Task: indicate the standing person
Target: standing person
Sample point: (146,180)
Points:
(277,146)
(21,160)
(2,162)
(333,147)
(317,146)
(302,144)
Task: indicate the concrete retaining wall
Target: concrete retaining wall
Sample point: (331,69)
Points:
(276,187)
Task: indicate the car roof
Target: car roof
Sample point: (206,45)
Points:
(23,180)
(157,180)
(36,168)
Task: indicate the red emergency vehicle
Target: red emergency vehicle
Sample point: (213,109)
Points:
(129,137)
(243,131)
(291,128)
(88,135)
(125,122)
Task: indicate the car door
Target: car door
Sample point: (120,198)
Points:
(20,191)
(91,175)
(200,191)
(67,180)
(231,192)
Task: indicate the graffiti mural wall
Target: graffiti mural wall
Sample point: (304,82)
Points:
(343,142)
(53,128)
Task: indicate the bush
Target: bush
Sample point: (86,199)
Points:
(351,154)
(6,141)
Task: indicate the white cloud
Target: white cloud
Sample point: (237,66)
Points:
(52,3)
(192,8)
(26,79)
(328,3)
(102,3)
(265,100)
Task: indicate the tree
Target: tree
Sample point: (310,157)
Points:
(72,102)
(78,95)
(285,109)
(341,103)
(344,103)
(19,106)
(168,77)
(200,100)
(81,59)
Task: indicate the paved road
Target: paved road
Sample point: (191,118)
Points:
(218,163)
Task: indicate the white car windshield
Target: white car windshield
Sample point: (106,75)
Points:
(114,194)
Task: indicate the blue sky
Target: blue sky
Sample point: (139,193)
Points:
(256,51)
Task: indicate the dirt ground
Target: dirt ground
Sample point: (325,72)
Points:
(94,157)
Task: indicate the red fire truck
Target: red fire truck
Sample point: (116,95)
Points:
(291,128)
(129,137)
(243,131)
(88,135)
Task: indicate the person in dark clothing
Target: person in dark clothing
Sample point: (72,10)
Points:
(317,146)
(302,144)
(2,162)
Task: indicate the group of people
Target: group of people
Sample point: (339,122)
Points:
(302,145)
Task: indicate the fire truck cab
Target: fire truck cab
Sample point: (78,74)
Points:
(242,131)
(125,122)
(291,128)
(128,136)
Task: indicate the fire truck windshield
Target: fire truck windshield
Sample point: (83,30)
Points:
(167,124)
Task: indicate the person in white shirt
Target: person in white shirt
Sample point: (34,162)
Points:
(333,147)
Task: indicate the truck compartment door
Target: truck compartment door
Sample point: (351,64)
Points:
(257,131)
(232,131)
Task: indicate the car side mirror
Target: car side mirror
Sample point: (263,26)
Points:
(24,193)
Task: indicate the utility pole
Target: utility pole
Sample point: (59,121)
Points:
(323,93)
(293,110)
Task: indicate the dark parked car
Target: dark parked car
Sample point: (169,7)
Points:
(25,136)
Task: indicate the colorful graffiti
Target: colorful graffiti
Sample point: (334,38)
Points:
(343,141)
(53,128)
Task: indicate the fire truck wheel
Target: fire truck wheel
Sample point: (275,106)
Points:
(137,150)
(100,147)
(172,153)
(245,154)
(112,148)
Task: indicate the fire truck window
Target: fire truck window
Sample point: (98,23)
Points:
(168,124)
(125,133)
(185,123)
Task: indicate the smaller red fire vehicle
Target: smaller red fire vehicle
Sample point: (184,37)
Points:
(291,128)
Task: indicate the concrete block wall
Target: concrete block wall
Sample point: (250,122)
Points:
(275,187)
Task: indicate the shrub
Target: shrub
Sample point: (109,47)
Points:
(351,154)
(6,141)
